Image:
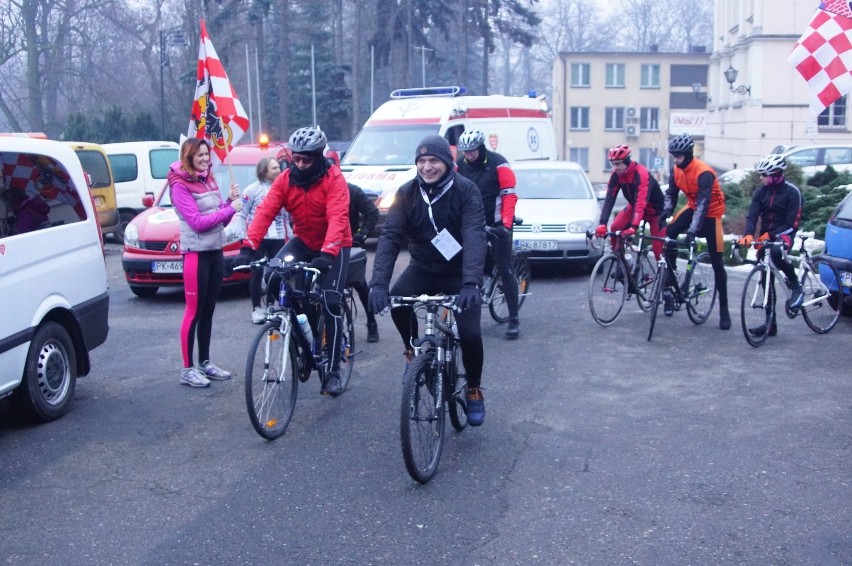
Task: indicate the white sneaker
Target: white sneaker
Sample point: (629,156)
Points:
(212,372)
(193,377)
(258,315)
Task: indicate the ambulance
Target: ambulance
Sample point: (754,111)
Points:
(381,158)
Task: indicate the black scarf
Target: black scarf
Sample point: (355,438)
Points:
(434,189)
(306,177)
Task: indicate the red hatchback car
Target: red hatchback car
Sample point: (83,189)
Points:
(152,258)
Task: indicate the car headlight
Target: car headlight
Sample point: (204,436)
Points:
(580,226)
(386,200)
(131,236)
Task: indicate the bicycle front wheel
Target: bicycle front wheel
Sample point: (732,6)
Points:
(701,295)
(756,306)
(498,307)
(347,341)
(821,308)
(523,273)
(607,290)
(421,419)
(644,274)
(271,380)
(656,296)
(456,381)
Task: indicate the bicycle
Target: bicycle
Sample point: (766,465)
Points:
(282,354)
(609,288)
(433,380)
(820,308)
(695,289)
(492,286)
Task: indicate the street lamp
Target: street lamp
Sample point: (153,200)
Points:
(699,96)
(423,51)
(731,77)
(168,38)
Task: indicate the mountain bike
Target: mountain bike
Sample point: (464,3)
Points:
(282,354)
(626,271)
(821,306)
(492,285)
(695,288)
(434,382)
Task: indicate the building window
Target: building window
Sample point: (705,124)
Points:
(580,74)
(580,155)
(650,76)
(615,75)
(834,116)
(614,118)
(579,117)
(649,119)
(648,156)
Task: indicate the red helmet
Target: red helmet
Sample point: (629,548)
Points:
(333,156)
(619,153)
(284,154)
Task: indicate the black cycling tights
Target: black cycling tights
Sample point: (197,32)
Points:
(711,230)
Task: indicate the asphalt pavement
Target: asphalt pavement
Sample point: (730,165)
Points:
(599,448)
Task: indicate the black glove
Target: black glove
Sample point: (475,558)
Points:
(500,231)
(322,262)
(245,257)
(690,238)
(378,299)
(359,239)
(663,221)
(469,297)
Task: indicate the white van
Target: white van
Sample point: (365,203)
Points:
(139,168)
(53,280)
(381,158)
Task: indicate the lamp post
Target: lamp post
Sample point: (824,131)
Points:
(168,37)
(423,51)
(731,77)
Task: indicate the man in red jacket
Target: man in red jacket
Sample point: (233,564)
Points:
(315,194)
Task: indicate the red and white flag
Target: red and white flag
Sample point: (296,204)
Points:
(217,114)
(823,55)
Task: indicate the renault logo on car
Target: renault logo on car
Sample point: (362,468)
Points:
(173,247)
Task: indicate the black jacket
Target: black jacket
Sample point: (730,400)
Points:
(360,206)
(485,176)
(779,208)
(459,210)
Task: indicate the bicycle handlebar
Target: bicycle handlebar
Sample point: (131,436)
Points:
(448,301)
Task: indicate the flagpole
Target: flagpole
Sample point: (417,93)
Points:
(248,81)
(227,151)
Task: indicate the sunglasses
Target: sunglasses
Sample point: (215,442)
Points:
(614,163)
(303,159)
(764,175)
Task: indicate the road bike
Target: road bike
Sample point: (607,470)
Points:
(434,382)
(695,287)
(282,354)
(626,271)
(820,308)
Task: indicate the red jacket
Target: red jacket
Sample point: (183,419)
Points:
(320,213)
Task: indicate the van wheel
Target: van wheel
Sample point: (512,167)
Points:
(50,375)
(144,292)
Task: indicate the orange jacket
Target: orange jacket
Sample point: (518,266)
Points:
(705,203)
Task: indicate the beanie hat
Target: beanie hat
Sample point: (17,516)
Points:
(435,146)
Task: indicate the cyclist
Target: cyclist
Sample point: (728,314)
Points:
(440,214)
(316,196)
(491,172)
(778,204)
(702,216)
(643,194)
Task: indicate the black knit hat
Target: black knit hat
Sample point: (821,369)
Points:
(436,146)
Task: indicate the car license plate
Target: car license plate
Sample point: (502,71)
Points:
(535,244)
(167,266)
(846,278)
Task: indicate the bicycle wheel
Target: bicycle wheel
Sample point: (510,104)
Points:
(456,382)
(820,310)
(271,380)
(523,272)
(498,307)
(755,307)
(421,419)
(607,289)
(701,295)
(656,296)
(347,341)
(644,274)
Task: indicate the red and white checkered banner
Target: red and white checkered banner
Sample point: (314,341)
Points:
(823,55)
(217,114)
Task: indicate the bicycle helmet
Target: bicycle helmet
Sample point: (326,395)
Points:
(619,153)
(771,164)
(308,140)
(471,140)
(681,143)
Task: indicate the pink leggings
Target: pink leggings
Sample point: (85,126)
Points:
(202,280)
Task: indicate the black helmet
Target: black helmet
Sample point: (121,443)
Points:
(681,143)
(308,140)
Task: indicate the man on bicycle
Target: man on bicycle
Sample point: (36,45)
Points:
(440,215)
(702,216)
(643,194)
(490,172)
(778,204)
(317,198)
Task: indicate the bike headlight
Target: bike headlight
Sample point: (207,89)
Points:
(131,236)
(580,226)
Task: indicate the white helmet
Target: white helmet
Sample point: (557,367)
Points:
(470,140)
(770,164)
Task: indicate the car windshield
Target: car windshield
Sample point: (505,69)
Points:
(844,211)
(551,184)
(387,144)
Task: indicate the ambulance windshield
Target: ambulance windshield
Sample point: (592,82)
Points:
(392,144)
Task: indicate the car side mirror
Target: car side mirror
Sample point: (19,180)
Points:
(148,200)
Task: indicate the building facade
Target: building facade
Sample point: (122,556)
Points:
(641,99)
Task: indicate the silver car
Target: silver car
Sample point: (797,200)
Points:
(558,207)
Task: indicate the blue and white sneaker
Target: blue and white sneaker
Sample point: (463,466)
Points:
(475,406)
(212,372)
(193,377)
